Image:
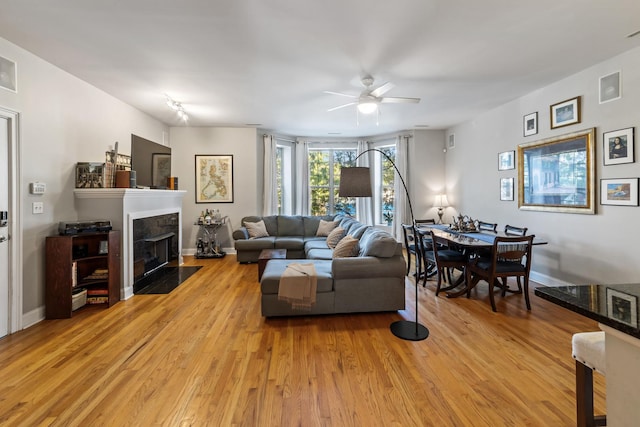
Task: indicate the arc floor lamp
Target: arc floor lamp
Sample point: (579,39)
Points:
(356,182)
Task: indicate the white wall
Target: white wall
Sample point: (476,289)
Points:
(242,143)
(582,248)
(63,120)
(426,172)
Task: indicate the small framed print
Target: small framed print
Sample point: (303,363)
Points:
(506,189)
(619,191)
(530,124)
(565,113)
(622,307)
(506,160)
(610,87)
(618,147)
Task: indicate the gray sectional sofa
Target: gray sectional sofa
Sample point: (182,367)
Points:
(372,281)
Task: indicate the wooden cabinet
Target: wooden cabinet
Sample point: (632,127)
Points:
(84,261)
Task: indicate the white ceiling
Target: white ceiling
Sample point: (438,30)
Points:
(267,62)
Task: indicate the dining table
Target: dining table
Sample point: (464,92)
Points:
(471,243)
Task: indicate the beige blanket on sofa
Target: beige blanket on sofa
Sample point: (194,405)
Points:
(298,286)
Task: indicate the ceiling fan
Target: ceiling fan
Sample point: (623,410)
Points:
(367,102)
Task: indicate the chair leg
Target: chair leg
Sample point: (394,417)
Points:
(526,291)
(408,263)
(491,297)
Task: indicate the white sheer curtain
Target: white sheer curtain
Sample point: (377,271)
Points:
(364,205)
(402,214)
(302,178)
(269,185)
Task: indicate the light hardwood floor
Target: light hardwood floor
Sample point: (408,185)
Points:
(203,356)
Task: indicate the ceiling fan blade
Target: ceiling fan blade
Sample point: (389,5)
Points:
(340,94)
(400,100)
(342,106)
(378,92)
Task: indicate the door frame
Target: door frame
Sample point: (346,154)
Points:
(15,227)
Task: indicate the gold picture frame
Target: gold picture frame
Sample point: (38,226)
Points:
(558,174)
(214,178)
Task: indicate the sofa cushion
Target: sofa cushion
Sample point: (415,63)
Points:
(256,229)
(319,253)
(326,227)
(335,236)
(290,225)
(377,243)
(290,242)
(347,247)
(311,223)
(255,244)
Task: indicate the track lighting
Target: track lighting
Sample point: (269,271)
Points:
(176,106)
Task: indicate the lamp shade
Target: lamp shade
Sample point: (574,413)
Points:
(355,182)
(441,201)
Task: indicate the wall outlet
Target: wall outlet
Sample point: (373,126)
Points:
(37,207)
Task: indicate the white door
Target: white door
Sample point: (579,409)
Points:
(4,229)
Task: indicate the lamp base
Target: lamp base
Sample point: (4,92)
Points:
(440,213)
(408,330)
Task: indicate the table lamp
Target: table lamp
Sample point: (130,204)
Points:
(440,202)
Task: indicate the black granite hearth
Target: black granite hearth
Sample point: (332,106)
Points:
(164,280)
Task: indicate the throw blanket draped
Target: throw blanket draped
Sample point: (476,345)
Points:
(298,286)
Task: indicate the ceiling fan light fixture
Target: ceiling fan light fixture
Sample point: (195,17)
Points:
(367,107)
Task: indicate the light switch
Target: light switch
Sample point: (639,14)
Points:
(37,187)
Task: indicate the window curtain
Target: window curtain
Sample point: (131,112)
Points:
(302,178)
(269,184)
(364,205)
(401,214)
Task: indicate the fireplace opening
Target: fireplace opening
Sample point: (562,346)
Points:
(155,245)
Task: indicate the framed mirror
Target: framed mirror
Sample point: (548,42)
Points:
(557,174)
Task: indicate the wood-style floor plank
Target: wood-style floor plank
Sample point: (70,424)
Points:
(203,355)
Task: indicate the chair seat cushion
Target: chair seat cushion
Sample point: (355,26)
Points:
(501,266)
(588,349)
(450,255)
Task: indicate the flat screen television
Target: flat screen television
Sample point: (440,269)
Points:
(151,161)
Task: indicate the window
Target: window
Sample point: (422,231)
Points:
(386,193)
(324,180)
(284,179)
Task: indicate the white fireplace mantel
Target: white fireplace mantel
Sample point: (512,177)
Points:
(121,206)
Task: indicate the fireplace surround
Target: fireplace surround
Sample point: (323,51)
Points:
(122,206)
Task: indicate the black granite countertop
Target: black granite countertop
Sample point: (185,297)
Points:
(612,305)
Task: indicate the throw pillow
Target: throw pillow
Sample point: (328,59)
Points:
(347,247)
(335,236)
(325,227)
(256,229)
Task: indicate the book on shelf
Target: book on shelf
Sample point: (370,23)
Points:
(97,292)
(97,299)
(98,274)
(74,274)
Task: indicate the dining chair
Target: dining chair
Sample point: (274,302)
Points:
(510,230)
(510,257)
(445,259)
(487,226)
(410,244)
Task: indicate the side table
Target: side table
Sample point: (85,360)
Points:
(208,245)
(266,255)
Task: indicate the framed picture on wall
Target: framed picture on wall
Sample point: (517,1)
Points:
(506,189)
(8,75)
(530,124)
(565,113)
(160,169)
(618,147)
(214,178)
(619,191)
(506,160)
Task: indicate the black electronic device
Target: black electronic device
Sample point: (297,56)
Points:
(66,228)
